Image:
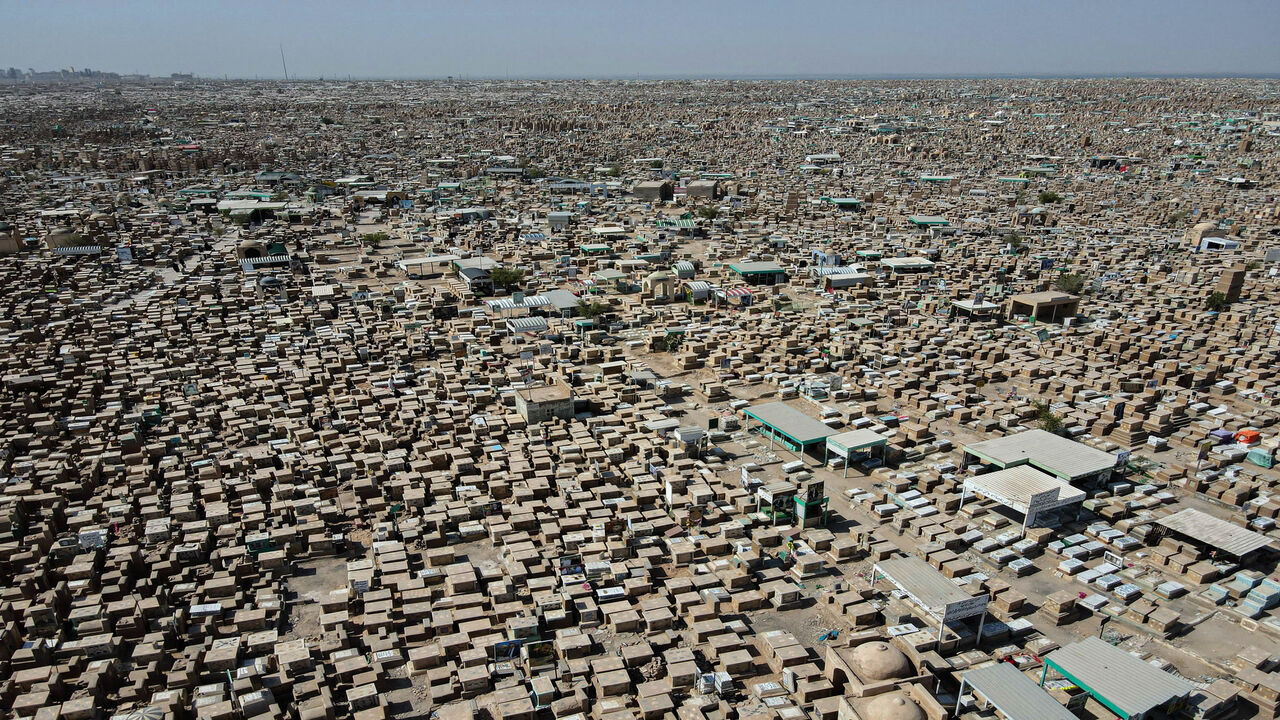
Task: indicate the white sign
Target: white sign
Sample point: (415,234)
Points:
(746,478)
(1122,457)
(962,609)
(1042,501)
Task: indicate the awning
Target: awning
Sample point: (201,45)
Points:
(1122,682)
(737,292)
(1025,489)
(250,264)
(1014,695)
(934,592)
(855,441)
(79,250)
(426,260)
(1220,534)
(527,325)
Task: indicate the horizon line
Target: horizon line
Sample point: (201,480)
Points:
(351,77)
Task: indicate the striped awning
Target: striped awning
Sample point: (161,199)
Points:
(79,250)
(684,266)
(527,325)
(737,292)
(529,301)
(248,264)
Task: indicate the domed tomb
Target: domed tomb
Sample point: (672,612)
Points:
(892,706)
(878,661)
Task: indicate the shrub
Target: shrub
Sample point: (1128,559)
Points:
(1069,283)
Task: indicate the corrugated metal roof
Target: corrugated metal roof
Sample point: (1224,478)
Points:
(1015,695)
(529,301)
(1049,452)
(1221,534)
(1013,487)
(763,266)
(907,263)
(1120,680)
(790,421)
(932,590)
(527,324)
(1044,297)
(857,439)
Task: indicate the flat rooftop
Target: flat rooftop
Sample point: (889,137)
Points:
(1047,297)
(547,393)
(1047,451)
(789,421)
(1220,534)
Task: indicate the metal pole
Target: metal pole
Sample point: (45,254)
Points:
(960,695)
(981,622)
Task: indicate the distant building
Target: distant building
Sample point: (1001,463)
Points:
(760,273)
(654,190)
(704,189)
(477,279)
(278,179)
(540,404)
(1048,306)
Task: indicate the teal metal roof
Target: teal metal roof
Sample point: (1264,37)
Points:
(790,422)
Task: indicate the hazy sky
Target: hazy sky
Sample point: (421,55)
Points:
(610,38)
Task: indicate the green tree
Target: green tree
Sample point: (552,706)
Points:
(1014,239)
(591,309)
(373,240)
(1049,197)
(709,213)
(1069,283)
(1216,302)
(506,278)
(671,343)
(326,120)
(1253,265)
(1049,421)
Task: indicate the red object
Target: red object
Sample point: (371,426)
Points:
(1248,436)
